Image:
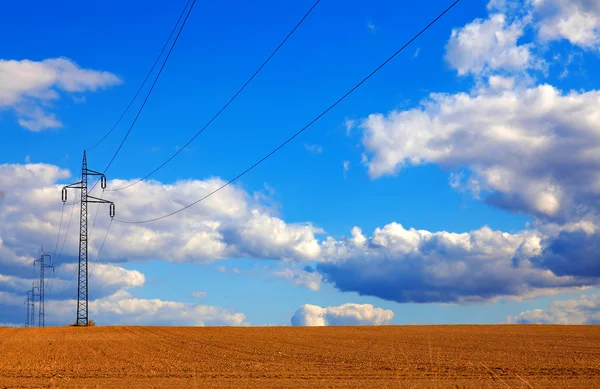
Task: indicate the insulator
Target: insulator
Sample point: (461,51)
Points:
(111,210)
(103,182)
(64,195)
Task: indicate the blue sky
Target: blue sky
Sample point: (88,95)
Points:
(449,188)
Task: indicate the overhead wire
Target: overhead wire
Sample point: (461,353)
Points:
(152,87)
(96,216)
(55,257)
(302,129)
(62,213)
(101,248)
(145,79)
(226,104)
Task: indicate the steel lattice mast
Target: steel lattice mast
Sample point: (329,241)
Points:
(28,305)
(82,281)
(31,305)
(43,265)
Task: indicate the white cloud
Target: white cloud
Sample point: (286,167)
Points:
(343,315)
(123,308)
(346,166)
(198,294)
(394,263)
(15,284)
(584,310)
(408,265)
(232,224)
(34,119)
(27,86)
(310,280)
(104,279)
(371,26)
(577,21)
(531,149)
(489,45)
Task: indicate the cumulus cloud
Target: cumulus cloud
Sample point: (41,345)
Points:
(519,146)
(584,310)
(483,46)
(577,21)
(233,224)
(104,279)
(307,278)
(343,315)
(394,263)
(572,252)
(124,308)
(533,150)
(28,86)
(408,265)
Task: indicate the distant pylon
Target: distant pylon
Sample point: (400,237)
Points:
(43,265)
(31,304)
(27,314)
(82,282)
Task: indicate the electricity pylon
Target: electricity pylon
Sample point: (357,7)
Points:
(27,314)
(31,305)
(82,281)
(43,265)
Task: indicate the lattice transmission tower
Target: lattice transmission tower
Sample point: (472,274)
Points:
(27,310)
(30,320)
(82,281)
(43,266)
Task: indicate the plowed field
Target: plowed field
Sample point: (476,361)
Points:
(287,357)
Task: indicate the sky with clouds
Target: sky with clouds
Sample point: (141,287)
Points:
(459,185)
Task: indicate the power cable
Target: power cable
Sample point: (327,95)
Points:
(66,232)
(153,85)
(62,213)
(101,248)
(96,216)
(145,79)
(55,258)
(226,104)
(302,129)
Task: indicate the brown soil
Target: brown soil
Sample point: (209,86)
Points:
(286,357)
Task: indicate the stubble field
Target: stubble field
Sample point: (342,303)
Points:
(287,357)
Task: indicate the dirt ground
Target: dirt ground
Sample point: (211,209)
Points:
(287,357)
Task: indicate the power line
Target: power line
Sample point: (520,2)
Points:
(55,257)
(66,232)
(303,128)
(145,79)
(60,282)
(96,216)
(153,85)
(226,104)
(108,133)
(101,248)
(62,213)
